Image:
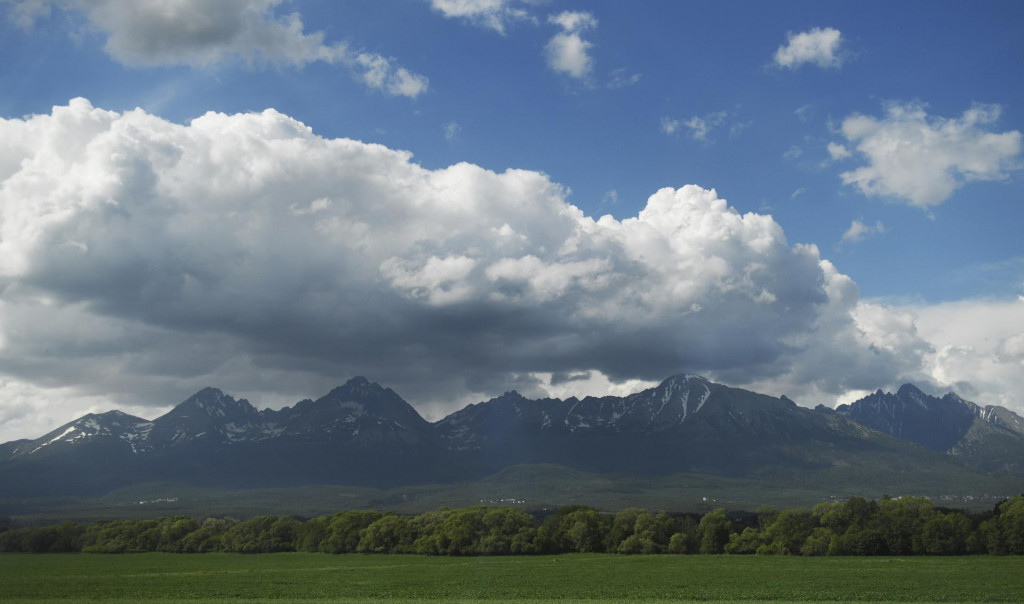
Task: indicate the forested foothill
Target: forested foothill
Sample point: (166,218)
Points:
(902,526)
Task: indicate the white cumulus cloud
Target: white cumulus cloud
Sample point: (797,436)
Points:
(201,33)
(922,159)
(567,51)
(820,46)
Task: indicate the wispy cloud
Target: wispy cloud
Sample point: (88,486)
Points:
(858,231)
(451,130)
(792,153)
(490,14)
(620,78)
(200,33)
(699,127)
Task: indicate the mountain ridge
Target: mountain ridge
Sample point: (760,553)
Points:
(362,433)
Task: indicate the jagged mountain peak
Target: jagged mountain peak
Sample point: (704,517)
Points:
(213,401)
(683,378)
(362,392)
(363,396)
(360,386)
(210,415)
(510,396)
(910,392)
(954,398)
(673,401)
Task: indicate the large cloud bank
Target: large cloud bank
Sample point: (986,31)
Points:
(142,259)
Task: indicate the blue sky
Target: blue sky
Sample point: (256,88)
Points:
(887,135)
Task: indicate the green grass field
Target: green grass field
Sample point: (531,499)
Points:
(573,578)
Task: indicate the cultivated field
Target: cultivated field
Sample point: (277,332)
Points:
(569,578)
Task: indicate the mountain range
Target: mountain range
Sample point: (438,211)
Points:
(363,434)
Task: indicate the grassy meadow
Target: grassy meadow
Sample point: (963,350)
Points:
(567,578)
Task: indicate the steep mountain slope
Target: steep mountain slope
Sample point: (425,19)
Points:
(10,448)
(89,455)
(991,437)
(358,434)
(913,415)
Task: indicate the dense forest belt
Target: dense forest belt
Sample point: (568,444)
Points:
(535,579)
(891,527)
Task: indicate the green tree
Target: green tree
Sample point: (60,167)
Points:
(901,522)
(788,531)
(553,535)
(389,534)
(623,526)
(945,534)
(766,515)
(506,531)
(1011,525)
(747,542)
(858,541)
(344,531)
(426,530)
(679,543)
(173,531)
(209,537)
(262,534)
(656,529)
(818,542)
(312,533)
(833,515)
(714,530)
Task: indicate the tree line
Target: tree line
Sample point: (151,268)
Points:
(893,526)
